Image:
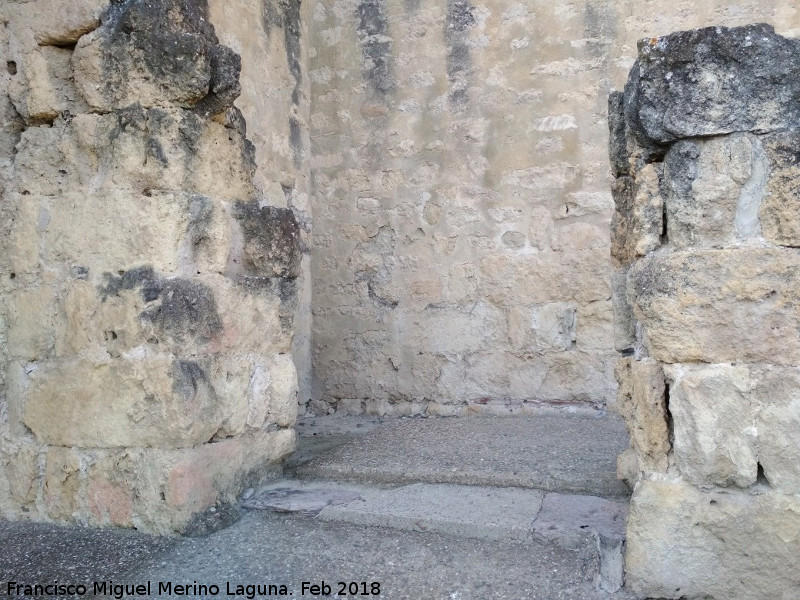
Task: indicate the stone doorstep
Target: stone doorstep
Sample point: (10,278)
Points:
(589,524)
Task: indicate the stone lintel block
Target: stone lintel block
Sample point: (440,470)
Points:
(714,424)
(713,81)
(686,543)
(641,401)
(719,305)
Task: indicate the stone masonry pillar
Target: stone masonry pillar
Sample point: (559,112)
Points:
(705,148)
(147,292)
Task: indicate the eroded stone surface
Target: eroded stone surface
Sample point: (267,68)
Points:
(677,535)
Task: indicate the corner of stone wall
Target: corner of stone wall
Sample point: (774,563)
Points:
(147,290)
(705,238)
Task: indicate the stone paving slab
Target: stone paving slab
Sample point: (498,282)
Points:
(284,549)
(564,453)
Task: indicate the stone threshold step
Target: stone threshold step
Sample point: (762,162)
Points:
(573,454)
(593,526)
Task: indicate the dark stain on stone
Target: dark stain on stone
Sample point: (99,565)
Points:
(155,150)
(599,27)
(187,310)
(271,241)
(182,309)
(459,62)
(189,379)
(376,46)
(175,42)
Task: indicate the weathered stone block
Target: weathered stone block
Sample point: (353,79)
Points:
(714,81)
(776,398)
(142,150)
(713,190)
(719,305)
(714,424)
(271,238)
(637,224)
(641,401)
(687,543)
(156,401)
(153,53)
(192,316)
(624,321)
(780,208)
(62,483)
(543,328)
(42,86)
(30,322)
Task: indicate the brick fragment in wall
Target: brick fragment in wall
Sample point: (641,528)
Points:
(713,190)
(713,81)
(641,401)
(155,53)
(714,424)
(677,535)
(719,305)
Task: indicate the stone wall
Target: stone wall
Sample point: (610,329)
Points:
(150,268)
(705,238)
(460,194)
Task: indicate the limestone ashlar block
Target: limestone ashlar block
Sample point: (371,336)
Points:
(719,305)
(714,424)
(156,53)
(166,491)
(637,223)
(543,328)
(136,149)
(141,310)
(641,401)
(713,190)
(780,209)
(713,81)
(42,86)
(153,401)
(62,483)
(544,277)
(776,398)
(686,543)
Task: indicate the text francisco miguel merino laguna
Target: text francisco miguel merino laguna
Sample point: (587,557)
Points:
(158,588)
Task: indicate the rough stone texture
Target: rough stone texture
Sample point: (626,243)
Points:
(687,543)
(714,188)
(152,279)
(641,402)
(719,305)
(715,433)
(708,386)
(714,81)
